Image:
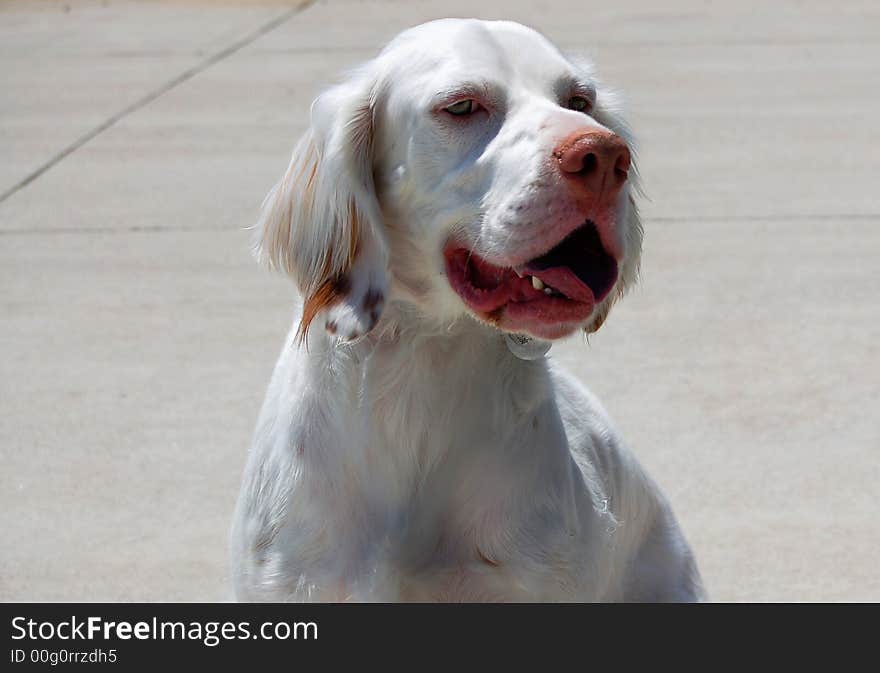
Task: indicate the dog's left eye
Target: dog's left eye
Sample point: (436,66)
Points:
(579,103)
(463,107)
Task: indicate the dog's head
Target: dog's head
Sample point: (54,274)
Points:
(470,167)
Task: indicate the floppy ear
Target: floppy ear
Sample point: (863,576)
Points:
(321,224)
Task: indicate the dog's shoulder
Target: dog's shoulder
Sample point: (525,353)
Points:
(588,426)
(600,451)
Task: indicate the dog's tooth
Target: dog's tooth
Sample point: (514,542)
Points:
(548,290)
(537,283)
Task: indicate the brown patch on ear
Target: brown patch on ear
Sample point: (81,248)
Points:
(334,289)
(309,190)
(276,240)
(328,293)
(362,127)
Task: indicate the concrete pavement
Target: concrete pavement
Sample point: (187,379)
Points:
(137,335)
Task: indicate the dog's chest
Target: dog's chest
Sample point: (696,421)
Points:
(482,517)
(464,488)
(450,484)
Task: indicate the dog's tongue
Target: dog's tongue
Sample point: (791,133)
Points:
(577,265)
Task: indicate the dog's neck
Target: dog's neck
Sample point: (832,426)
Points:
(416,377)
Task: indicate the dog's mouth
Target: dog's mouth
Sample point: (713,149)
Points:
(548,296)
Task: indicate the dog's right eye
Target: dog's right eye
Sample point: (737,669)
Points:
(463,107)
(579,103)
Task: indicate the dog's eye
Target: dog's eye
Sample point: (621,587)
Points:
(463,107)
(579,103)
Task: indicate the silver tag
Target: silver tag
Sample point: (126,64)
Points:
(525,347)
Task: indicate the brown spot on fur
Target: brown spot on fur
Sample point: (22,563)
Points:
(354,224)
(309,191)
(485,559)
(495,315)
(597,322)
(372,299)
(264,540)
(331,326)
(330,292)
(602,314)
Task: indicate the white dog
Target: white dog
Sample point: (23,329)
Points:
(457,202)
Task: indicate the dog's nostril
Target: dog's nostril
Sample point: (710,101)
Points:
(589,164)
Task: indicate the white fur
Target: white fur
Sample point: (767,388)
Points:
(409,456)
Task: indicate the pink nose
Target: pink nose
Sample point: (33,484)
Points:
(595,164)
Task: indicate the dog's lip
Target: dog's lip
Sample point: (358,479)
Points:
(577,267)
